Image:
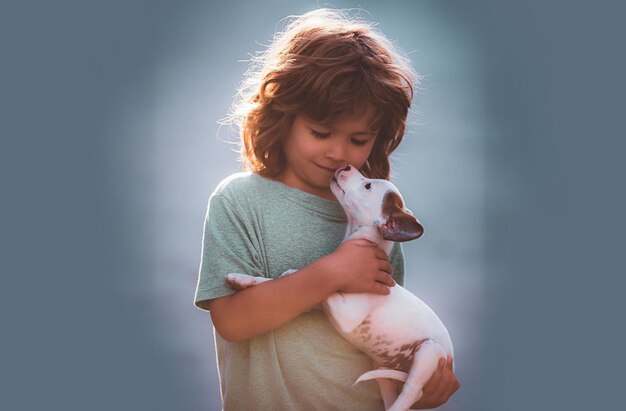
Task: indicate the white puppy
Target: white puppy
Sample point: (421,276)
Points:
(398,331)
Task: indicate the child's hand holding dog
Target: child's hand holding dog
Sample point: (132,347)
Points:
(359,266)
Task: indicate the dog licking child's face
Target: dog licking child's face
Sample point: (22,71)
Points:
(376,202)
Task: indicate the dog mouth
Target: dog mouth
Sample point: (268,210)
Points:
(334,180)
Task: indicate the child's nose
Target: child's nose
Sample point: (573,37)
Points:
(337,152)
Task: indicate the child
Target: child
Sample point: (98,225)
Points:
(328,91)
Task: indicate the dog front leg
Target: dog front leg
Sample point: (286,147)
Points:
(238,281)
(242,281)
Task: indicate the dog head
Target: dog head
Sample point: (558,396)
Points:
(376,202)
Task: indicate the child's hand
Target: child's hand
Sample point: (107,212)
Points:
(359,266)
(439,388)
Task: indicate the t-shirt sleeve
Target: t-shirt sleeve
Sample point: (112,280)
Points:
(396,258)
(228,246)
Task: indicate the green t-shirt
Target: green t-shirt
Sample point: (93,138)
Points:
(261,227)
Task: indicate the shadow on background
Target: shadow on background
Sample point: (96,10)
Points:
(109,153)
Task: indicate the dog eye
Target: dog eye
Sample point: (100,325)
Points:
(368,186)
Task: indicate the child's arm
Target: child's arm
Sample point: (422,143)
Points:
(356,266)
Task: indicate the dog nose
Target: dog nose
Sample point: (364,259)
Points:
(341,168)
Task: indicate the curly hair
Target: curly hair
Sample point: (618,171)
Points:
(325,65)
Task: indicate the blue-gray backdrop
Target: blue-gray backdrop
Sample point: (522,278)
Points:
(111,146)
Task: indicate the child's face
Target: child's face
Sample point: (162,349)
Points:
(314,151)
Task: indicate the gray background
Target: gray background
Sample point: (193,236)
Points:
(111,147)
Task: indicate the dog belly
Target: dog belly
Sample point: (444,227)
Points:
(395,327)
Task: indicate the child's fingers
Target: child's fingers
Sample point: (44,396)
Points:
(449,384)
(454,384)
(378,288)
(385,279)
(377,250)
(435,390)
(431,387)
(449,363)
(385,266)
(380,254)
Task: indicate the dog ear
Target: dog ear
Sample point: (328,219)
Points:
(401,225)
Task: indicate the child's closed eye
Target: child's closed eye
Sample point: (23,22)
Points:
(319,134)
(325,134)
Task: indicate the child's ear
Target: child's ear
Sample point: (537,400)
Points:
(400,224)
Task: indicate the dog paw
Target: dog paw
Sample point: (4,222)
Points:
(288,272)
(239,281)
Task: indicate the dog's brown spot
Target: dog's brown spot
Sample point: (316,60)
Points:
(363,330)
(391,355)
(406,347)
(400,225)
(403,359)
(392,203)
